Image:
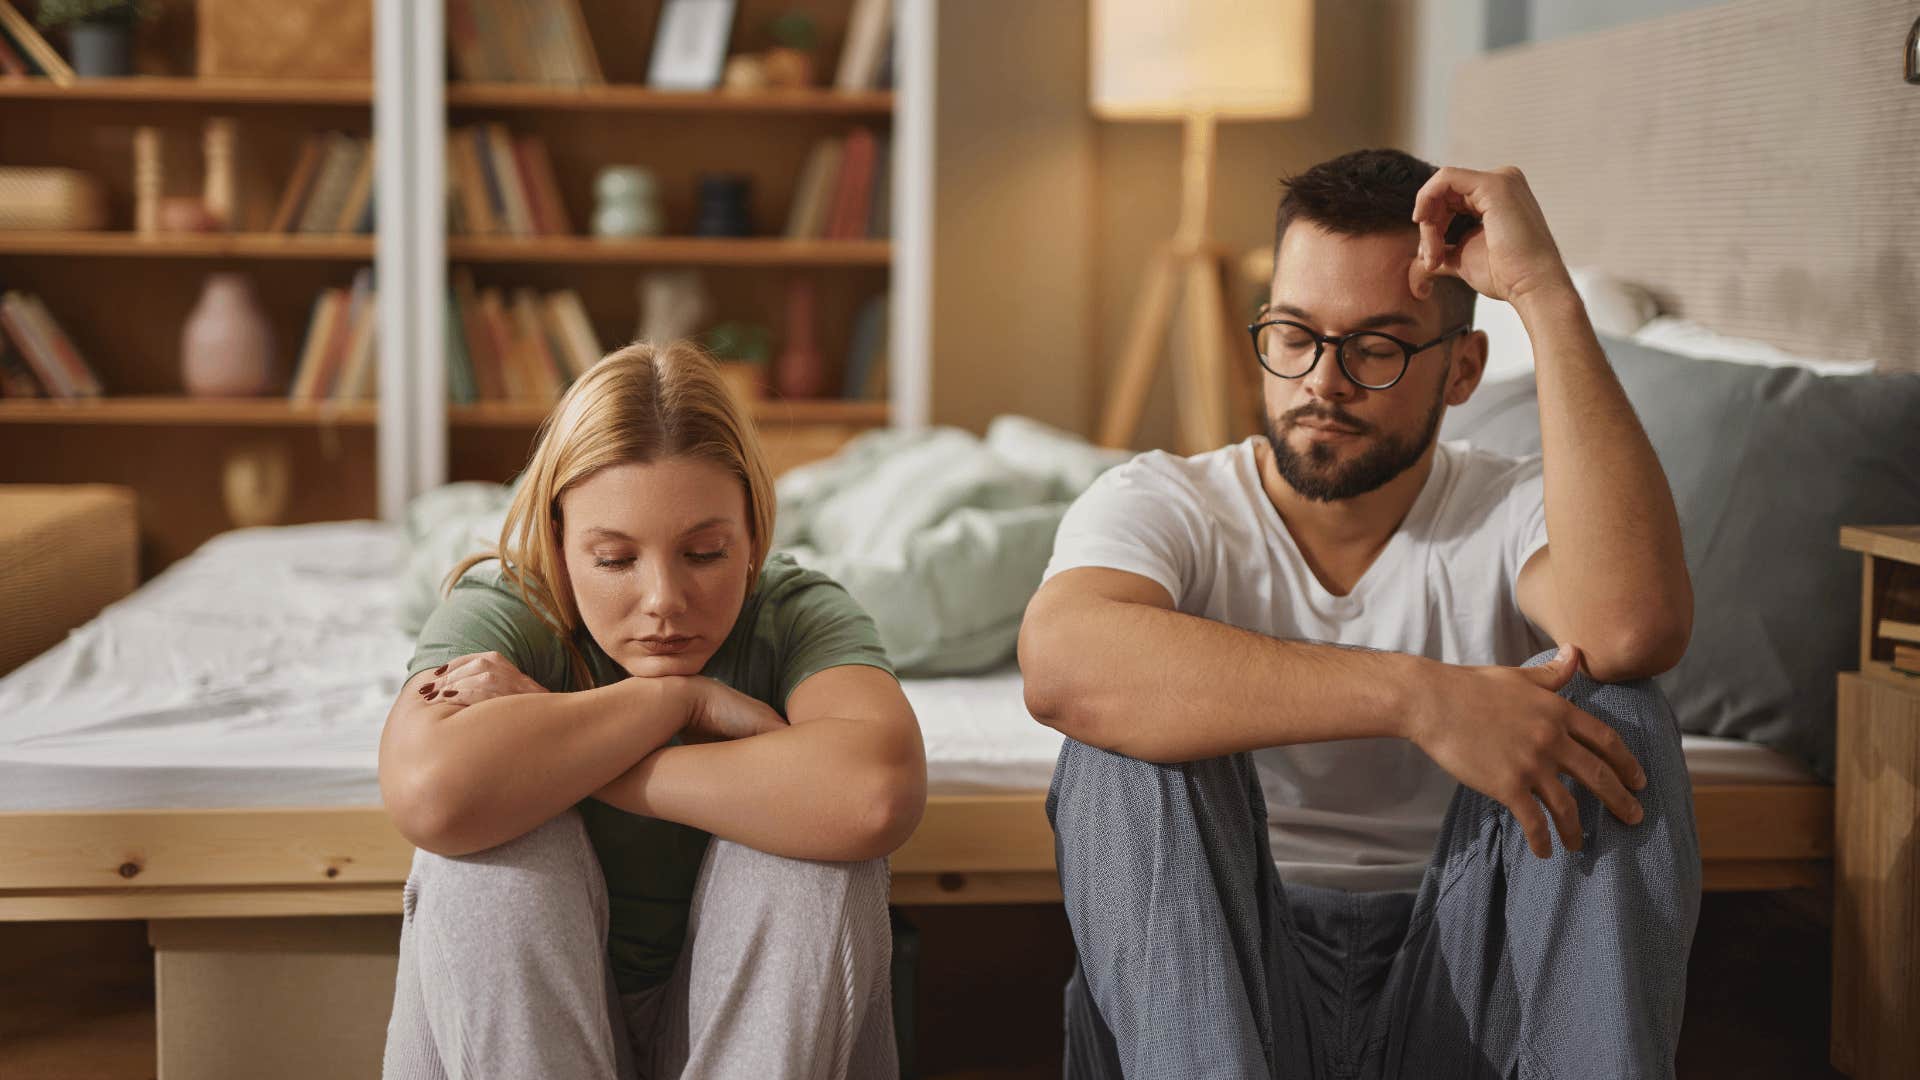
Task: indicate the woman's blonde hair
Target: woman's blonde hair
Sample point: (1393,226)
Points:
(639,404)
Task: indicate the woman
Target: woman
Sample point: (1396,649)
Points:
(635,676)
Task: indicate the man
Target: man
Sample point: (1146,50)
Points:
(1314,815)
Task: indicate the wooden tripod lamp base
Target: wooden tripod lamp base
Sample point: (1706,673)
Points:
(1215,397)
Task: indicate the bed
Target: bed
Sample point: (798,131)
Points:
(206,747)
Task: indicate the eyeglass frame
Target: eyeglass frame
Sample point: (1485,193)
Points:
(1320,341)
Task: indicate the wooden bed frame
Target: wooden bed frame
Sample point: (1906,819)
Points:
(969,849)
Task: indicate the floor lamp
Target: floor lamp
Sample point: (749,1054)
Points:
(1199,62)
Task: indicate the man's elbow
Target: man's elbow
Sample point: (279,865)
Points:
(1640,653)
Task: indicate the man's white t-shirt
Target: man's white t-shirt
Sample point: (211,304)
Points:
(1355,814)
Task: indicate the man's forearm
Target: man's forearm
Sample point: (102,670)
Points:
(1621,577)
(832,788)
(1160,685)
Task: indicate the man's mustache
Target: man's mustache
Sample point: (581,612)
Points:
(1326,416)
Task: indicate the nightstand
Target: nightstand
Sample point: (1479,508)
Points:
(1876,919)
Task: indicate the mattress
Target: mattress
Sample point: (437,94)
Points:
(258,672)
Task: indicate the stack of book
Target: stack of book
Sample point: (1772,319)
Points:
(500,185)
(339,360)
(37,358)
(331,190)
(1906,644)
(844,192)
(517,346)
(865,378)
(866,61)
(23,52)
(538,41)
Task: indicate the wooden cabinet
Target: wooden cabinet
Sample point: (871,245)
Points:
(1876,926)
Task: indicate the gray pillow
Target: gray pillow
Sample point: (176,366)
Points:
(1765,464)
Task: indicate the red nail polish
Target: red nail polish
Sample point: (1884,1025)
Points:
(446,693)
(441,670)
(427,690)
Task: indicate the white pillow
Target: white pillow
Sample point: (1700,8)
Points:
(1675,335)
(1616,307)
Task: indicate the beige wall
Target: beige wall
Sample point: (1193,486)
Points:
(1138,167)
(1044,217)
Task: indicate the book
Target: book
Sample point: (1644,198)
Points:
(1898,630)
(357,377)
(287,215)
(476,205)
(331,184)
(1906,659)
(488,374)
(11,62)
(866,348)
(489,180)
(582,42)
(547,376)
(328,323)
(303,365)
(880,219)
(51,374)
(867,28)
(515,378)
(811,194)
(16,376)
(461,389)
(359,195)
(29,43)
(80,374)
(543,188)
(469,61)
(582,345)
(513,192)
(848,218)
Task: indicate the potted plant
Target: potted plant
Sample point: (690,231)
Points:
(100,32)
(789,63)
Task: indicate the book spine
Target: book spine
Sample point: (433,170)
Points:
(85,384)
(51,375)
(32,44)
(461,389)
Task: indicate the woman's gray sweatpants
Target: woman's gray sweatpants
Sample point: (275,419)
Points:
(504,970)
(1195,959)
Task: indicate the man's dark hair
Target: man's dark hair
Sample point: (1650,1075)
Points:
(1362,193)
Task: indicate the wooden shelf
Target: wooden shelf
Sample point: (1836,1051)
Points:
(527,414)
(673,250)
(190,245)
(646,99)
(143,89)
(187,411)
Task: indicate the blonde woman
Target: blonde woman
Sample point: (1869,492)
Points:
(652,772)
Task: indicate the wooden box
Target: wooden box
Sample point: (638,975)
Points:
(286,39)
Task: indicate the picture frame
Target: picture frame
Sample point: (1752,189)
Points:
(690,44)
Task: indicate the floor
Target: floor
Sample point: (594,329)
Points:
(988,1002)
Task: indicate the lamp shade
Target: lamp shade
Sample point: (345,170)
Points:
(1237,59)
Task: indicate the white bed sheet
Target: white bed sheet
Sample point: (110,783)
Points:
(258,671)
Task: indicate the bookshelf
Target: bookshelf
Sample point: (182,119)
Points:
(765,136)
(124,297)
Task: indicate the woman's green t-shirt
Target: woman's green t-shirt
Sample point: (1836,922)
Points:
(795,623)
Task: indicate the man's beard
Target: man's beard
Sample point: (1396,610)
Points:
(1317,474)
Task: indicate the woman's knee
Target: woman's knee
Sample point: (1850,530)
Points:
(550,867)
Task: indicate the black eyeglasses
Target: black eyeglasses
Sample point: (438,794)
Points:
(1368,358)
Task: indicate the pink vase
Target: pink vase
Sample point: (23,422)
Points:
(226,347)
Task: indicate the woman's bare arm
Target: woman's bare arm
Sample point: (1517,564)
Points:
(845,781)
(462,778)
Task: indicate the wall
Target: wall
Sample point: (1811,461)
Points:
(1138,181)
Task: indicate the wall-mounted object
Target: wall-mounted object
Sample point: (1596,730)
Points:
(55,199)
